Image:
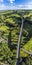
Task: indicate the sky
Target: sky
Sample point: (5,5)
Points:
(15,4)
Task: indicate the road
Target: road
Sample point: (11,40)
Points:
(19,41)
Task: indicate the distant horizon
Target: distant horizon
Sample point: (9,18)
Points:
(15,4)
(18,9)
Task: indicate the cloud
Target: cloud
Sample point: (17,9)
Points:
(11,1)
(1,0)
(4,7)
(28,5)
(15,7)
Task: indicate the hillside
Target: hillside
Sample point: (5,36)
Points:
(10,23)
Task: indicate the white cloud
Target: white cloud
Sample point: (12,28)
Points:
(1,0)
(28,5)
(4,7)
(11,7)
(11,1)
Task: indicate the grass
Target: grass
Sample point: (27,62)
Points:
(4,28)
(15,15)
(28,46)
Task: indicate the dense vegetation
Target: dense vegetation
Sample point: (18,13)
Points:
(10,23)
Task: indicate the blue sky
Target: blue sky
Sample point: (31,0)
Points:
(15,4)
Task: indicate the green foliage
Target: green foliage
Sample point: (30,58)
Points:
(10,23)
